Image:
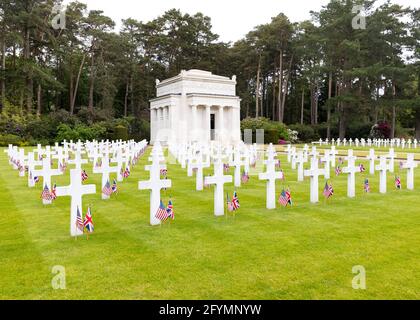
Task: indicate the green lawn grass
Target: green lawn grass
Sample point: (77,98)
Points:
(303,252)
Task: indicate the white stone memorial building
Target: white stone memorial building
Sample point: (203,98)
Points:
(197,106)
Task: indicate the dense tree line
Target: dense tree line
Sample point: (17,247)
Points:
(323,72)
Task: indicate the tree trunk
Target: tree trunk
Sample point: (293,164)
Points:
(127,88)
(285,86)
(330,83)
(3,73)
(133,111)
(257,89)
(394,112)
(273,111)
(92,83)
(71,89)
(280,94)
(302,106)
(76,86)
(38,100)
(418,123)
(28,80)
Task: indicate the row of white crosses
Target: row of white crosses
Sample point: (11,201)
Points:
(399,143)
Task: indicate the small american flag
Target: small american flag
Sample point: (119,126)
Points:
(84,175)
(79,221)
(107,190)
(340,160)
(126,173)
(164,172)
(161,212)
(362,168)
(170,210)
(328,190)
(114,187)
(235,201)
(226,167)
(53,192)
(36,179)
(245,177)
(366,186)
(229,204)
(278,164)
(285,198)
(397,182)
(46,194)
(338,171)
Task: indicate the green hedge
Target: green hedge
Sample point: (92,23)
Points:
(273,131)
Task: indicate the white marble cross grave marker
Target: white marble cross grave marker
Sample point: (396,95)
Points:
(391,155)
(105,169)
(155,184)
(314,172)
(31,167)
(218,179)
(383,167)
(410,165)
(237,163)
(351,170)
(271,175)
(78,160)
(76,190)
(371,157)
(199,165)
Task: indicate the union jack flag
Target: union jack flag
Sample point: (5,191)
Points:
(285,198)
(107,190)
(235,201)
(53,192)
(362,168)
(84,175)
(398,182)
(161,212)
(366,186)
(328,190)
(126,173)
(79,221)
(170,210)
(114,187)
(46,194)
(88,223)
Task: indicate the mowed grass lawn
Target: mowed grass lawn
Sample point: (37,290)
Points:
(302,252)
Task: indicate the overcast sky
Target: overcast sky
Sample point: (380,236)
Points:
(231,19)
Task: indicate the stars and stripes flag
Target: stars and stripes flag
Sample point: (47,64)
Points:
(340,160)
(362,168)
(36,179)
(53,192)
(235,201)
(84,175)
(114,187)
(164,172)
(366,186)
(126,173)
(170,210)
(88,222)
(62,167)
(338,171)
(229,203)
(46,194)
(98,163)
(226,167)
(245,177)
(398,182)
(285,198)
(161,212)
(79,221)
(328,190)
(107,190)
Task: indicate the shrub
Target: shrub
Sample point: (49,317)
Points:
(273,131)
(306,133)
(120,133)
(381,130)
(7,139)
